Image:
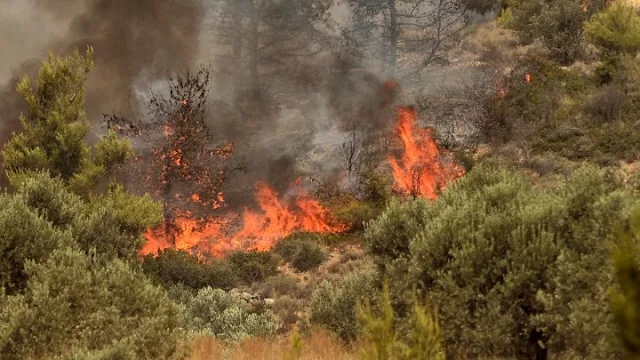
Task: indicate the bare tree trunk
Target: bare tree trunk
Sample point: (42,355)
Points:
(253,45)
(393,38)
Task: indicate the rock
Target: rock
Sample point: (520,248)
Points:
(247,296)
(269,301)
(235,292)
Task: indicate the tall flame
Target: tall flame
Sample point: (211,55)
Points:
(260,230)
(421,170)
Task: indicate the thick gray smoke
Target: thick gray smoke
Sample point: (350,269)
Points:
(287,131)
(135,41)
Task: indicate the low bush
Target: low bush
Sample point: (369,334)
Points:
(333,305)
(625,297)
(288,309)
(382,340)
(278,285)
(254,266)
(303,254)
(225,316)
(607,104)
(511,266)
(172,266)
(72,303)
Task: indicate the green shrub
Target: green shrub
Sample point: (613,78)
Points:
(615,32)
(56,127)
(509,265)
(304,255)
(287,309)
(618,141)
(352,212)
(172,266)
(278,285)
(383,341)
(71,301)
(625,297)
(607,104)
(505,18)
(333,305)
(548,101)
(375,187)
(43,215)
(253,266)
(557,23)
(225,316)
(309,256)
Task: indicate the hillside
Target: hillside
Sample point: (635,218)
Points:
(344,180)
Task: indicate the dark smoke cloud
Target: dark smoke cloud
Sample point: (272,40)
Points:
(133,38)
(138,42)
(134,41)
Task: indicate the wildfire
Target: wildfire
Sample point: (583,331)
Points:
(260,230)
(421,169)
(527,77)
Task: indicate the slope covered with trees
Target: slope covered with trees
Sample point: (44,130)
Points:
(530,253)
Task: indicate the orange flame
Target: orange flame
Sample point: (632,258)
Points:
(260,230)
(420,170)
(527,77)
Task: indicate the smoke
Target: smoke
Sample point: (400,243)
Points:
(135,41)
(292,128)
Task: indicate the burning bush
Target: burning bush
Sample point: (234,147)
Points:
(422,169)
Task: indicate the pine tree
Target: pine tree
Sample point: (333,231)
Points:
(616,33)
(55,127)
(383,341)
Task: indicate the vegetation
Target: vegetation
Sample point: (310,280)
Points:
(532,254)
(424,338)
(65,272)
(223,315)
(303,254)
(625,298)
(333,305)
(55,128)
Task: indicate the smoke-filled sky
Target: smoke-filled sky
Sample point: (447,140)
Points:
(137,42)
(134,42)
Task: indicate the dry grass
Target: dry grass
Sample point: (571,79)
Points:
(317,346)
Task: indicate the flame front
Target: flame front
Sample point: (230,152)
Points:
(260,230)
(421,170)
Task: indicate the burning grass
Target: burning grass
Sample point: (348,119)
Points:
(259,231)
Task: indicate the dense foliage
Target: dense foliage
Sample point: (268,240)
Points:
(508,264)
(303,254)
(225,316)
(625,298)
(530,255)
(55,127)
(333,305)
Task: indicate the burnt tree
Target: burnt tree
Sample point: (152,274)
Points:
(187,165)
